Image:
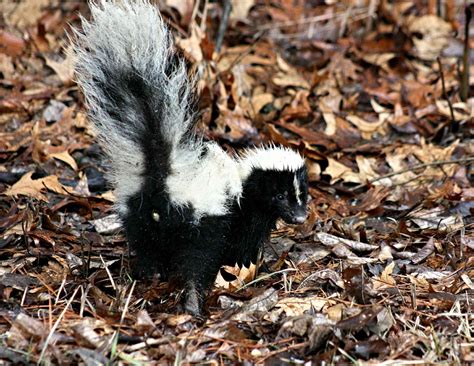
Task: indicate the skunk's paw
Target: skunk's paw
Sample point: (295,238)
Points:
(193,300)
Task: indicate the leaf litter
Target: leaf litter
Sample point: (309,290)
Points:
(382,271)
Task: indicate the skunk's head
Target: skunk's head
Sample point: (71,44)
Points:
(289,195)
(277,180)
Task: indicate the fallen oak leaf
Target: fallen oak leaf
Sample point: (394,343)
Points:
(29,187)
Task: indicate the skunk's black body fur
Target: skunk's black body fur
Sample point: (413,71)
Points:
(186,206)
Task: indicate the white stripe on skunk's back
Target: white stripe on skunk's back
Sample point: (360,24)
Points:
(208,183)
(269,158)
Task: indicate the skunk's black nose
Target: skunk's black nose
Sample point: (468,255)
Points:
(300,218)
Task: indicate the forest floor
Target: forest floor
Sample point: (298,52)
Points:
(382,272)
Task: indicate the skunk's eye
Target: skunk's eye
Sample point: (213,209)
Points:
(280,197)
(155,216)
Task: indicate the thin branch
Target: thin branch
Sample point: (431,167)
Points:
(465,57)
(416,167)
(227,8)
(445,94)
(55,326)
(315,19)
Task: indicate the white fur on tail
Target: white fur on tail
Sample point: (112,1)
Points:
(130,34)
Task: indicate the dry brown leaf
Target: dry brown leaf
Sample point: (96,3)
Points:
(184,7)
(240,9)
(6,65)
(65,157)
(243,275)
(294,306)
(435,33)
(369,130)
(424,252)
(29,187)
(192,46)
(289,76)
(461,111)
(260,100)
(385,279)
(366,170)
(65,68)
(338,171)
(332,240)
(25,13)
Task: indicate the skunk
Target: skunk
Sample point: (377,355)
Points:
(186,205)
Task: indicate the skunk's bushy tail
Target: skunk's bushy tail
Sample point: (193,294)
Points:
(136,89)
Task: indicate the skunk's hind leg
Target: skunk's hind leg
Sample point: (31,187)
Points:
(196,269)
(143,236)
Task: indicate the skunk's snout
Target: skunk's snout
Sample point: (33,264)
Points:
(301,219)
(298,216)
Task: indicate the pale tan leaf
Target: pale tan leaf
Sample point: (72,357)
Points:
(368,129)
(240,9)
(65,157)
(385,279)
(65,68)
(192,46)
(332,240)
(434,38)
(29,187)
(338,171)
(294,306)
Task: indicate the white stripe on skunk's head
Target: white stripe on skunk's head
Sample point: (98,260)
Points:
(276,158)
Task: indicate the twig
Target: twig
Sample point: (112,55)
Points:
(465,57)
(372,8)
(445,94)
(315,19)
(227,8)
(55,326)
(242,55)
(416,167)
(264,277)
(281,350)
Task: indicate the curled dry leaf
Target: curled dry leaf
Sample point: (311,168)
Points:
(243,275)
(86,335)
(288,76)
(319,277)
(64,68)
(258,305)
(332,240)
(368,129)
(424,252)
(65,157)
